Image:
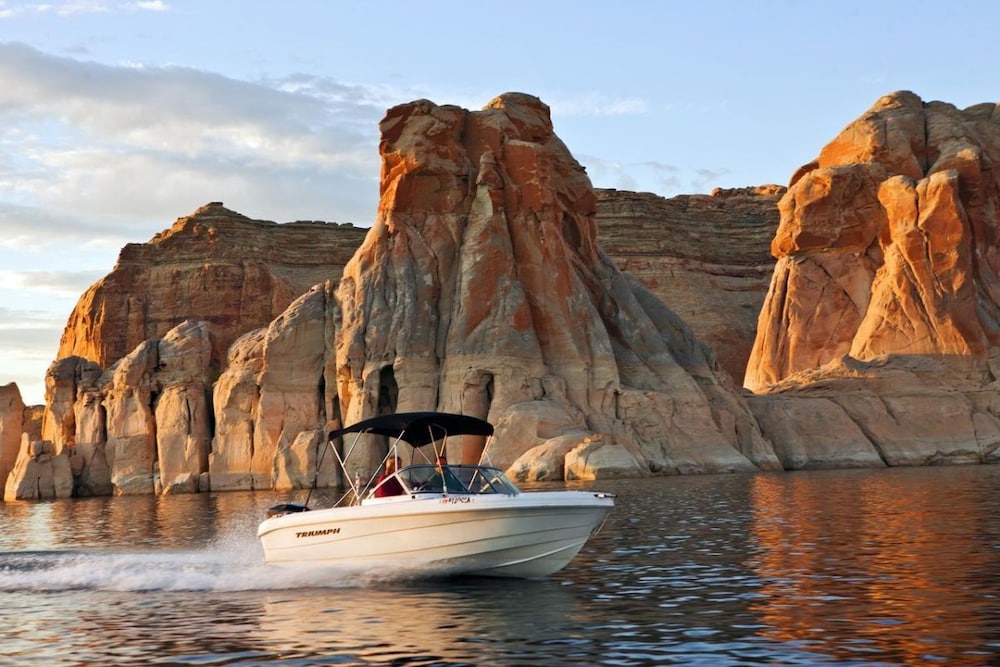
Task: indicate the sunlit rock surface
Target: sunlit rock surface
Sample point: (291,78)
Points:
(39,472)
(886,296)
(481,289)
(11,428)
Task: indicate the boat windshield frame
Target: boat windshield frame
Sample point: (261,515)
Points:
(418,429)
(462,480)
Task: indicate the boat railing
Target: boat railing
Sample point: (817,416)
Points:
(417,429)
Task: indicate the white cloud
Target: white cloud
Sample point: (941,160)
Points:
(650,176)
(666,176)
(149,6)
(94,156)
(176,109)
(74,7)
(24,319)
(83,140)
(31,227)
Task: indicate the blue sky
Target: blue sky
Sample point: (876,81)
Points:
(116,118)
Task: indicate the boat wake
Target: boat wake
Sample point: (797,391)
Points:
(230,566)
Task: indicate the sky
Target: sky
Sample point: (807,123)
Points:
(118,117)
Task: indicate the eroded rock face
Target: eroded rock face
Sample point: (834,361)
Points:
(888,244)
(131,436)
(272,401)
(295,396)
(481,289)
(884,309)
(236,397)
(75,422)
(39,473)
(706,256)
(11,427)
(214,266)
(182,410)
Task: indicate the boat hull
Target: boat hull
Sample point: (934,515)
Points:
(527,535)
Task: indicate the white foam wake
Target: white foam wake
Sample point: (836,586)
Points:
(234,564)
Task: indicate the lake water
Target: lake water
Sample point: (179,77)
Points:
(870,567)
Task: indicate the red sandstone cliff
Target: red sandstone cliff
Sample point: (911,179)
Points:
(481,289)
(883,315)
(216,266)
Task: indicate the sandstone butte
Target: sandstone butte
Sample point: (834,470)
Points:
(490,284)
(877,343)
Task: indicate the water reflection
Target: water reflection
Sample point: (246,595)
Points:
(863,564)
(124,629)
(139,522)
(839,567)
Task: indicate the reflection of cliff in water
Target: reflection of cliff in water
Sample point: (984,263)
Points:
(461,622)
(898,566)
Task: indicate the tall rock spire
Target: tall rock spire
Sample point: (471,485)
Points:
(481,289)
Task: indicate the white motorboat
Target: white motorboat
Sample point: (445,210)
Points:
(436,518)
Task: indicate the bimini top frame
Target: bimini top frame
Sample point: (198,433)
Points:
(419,428)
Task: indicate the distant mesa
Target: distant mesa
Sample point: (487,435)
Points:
(216,266)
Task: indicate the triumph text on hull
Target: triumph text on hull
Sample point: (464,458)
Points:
(438,518)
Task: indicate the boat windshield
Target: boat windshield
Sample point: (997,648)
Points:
(457,479)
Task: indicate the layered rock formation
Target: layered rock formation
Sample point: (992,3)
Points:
(129,398)
(707,257)
(215,266)
(884,310)
(481,289)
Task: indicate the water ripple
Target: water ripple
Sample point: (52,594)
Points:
(840,568)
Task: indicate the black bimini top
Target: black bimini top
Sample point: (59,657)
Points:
(419,428)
